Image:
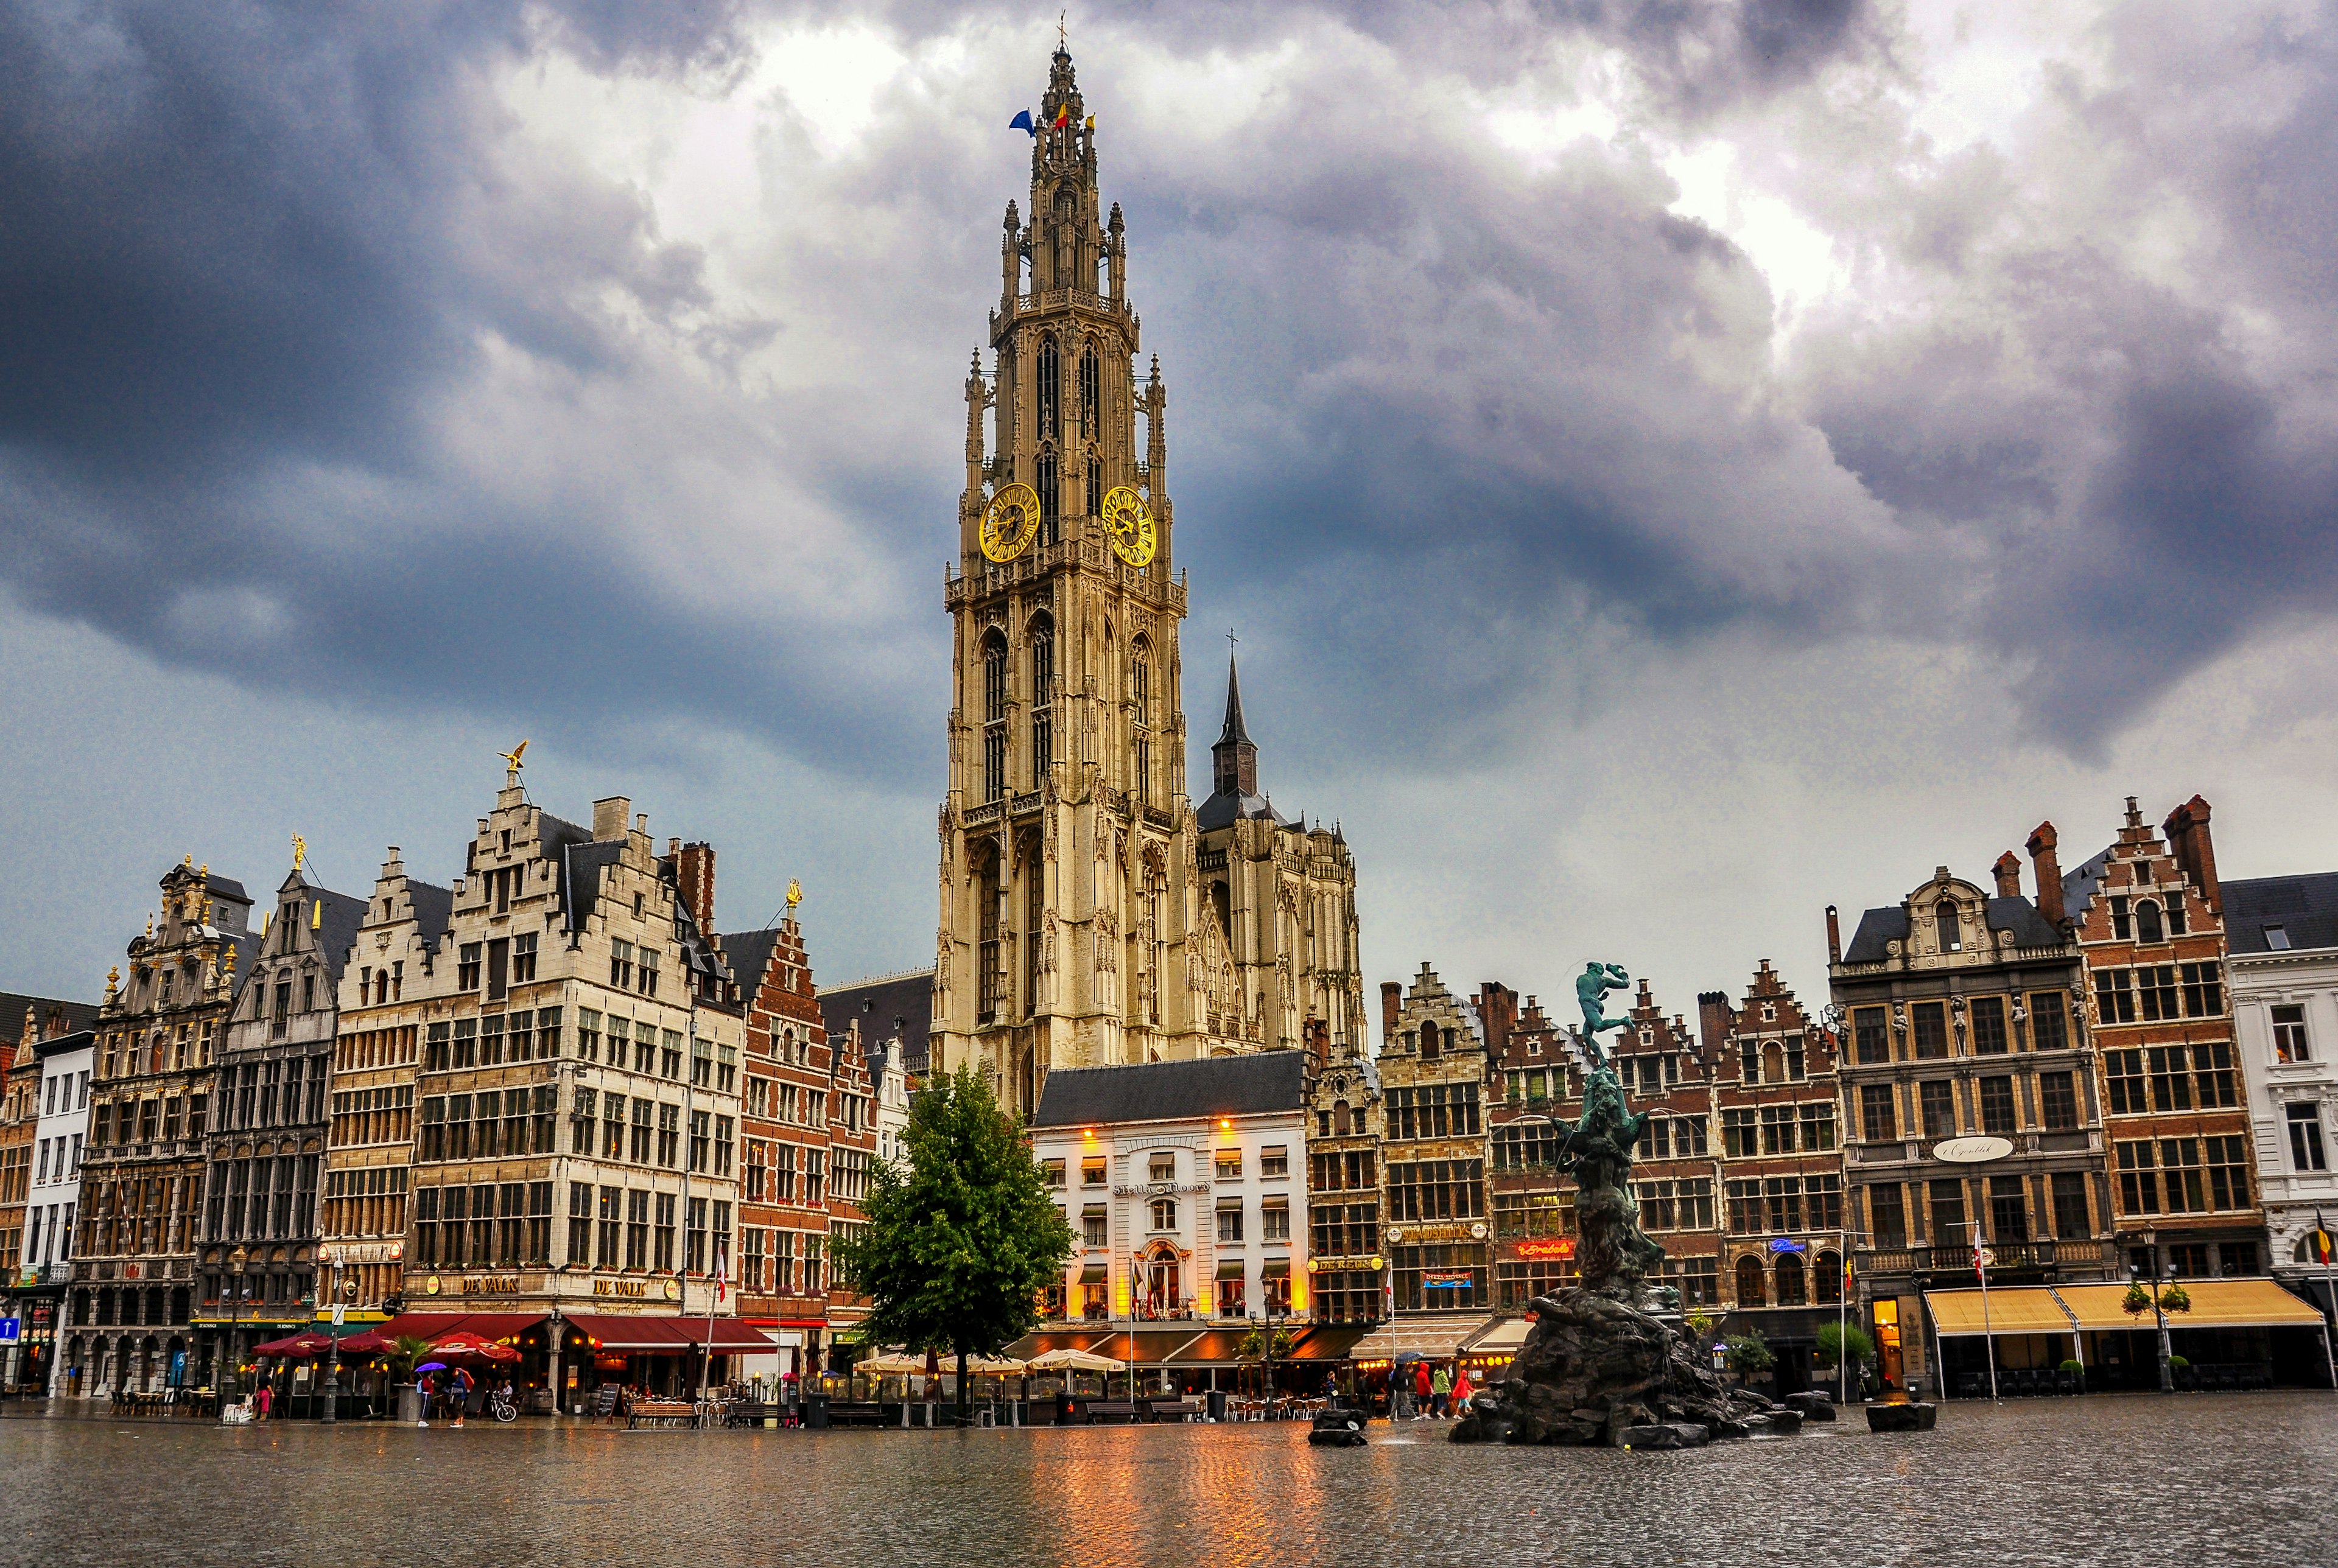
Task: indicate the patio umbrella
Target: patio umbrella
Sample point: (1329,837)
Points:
(992,1367)
(464,1344)
(1073,1360)
(890,1365)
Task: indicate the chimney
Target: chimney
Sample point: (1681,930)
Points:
(1713,1022)
(2049,873)
(1498,1014)
(609,818)
(1391,1004)
(694,867)
(2009,875)
(2188,837)
(1834,936)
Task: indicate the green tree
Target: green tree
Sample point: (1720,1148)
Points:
(1834,1339)
(962,1238)
(1749,1355)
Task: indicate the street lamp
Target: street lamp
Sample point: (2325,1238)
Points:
(235,1262)
(2167,1370)
(333,1366)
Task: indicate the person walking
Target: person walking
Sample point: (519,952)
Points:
(1441,1387)
(459,1386)
(425,1390)
(1423,1389)
(265,1400)
(1462,1390)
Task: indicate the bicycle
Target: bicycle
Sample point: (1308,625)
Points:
(501,1408)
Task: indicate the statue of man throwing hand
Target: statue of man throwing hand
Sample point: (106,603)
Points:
(1591,988)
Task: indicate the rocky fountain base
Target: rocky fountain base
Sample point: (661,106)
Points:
(1597,1369)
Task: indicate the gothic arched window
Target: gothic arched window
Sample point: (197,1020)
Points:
(1042,697)
(1051,382)
(994,712)
(1793,1281)
(1089,383)
(1094,498)
(2147,927)
(1140,701)
(1749,1283)
(1828,1277)
(1945,920)
(1049,484)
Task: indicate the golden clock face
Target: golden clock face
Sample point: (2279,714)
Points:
(1010,523)
(1130,523)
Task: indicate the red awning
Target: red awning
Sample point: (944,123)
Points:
(420,1325)
(628,1332)
(500,1324)
(730,1335)
(297,1346)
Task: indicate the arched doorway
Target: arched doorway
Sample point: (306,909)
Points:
(1750,1292)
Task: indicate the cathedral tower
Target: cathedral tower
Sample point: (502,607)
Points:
(1077,925)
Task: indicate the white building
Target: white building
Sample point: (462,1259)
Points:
(1180,1180)
(893,1106)
(55,1195)
(2282,934)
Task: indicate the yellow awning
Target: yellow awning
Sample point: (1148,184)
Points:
(1502,1337)
(2216,1304)
(2016,1310)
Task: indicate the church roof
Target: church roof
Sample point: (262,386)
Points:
(1253,1085)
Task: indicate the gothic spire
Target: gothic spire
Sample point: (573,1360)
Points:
(1234,760)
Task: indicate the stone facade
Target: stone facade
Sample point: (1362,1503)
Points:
(390,990)
(158,1038)
(55,1062)
(579,1089)
(1434,1217)
(264,1153)
(2147,919)
(1075,925)
(2282,938)
(1347,1252)
(1963,1017)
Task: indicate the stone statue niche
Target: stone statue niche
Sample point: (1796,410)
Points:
(1609,1361)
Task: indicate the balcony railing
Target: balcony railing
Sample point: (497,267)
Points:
(2060,1256)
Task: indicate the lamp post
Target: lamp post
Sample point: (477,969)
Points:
(2167,1371)
(235,1264)
(333,1366)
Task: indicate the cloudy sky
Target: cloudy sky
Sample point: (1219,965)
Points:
(1674,465)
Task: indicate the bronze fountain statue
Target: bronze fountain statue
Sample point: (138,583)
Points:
(1607,1360)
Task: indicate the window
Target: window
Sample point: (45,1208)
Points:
(2171,1086)
(2212,1065)
(1872,1035)
(2204,990)
(662,1237)
(2114,996)
(647,962)
(2049,1030)
(1274,1220)
(1818,1129)
(1274,1162)
(2156,985)
(994,712)
(1825,1195)
(2123,1071)
(2009,1210)
(2180,1176)
(2122,926)
(2277,938)
(466,968)
(2057,1102)
(1778,1129)
(1092,1222)
(1091,1171)
(1436,1189)
(2289,1042)
(1165,1167)
(1996,1106)
(1042,697)
(2139,1179)
(1737,1133)
(2147,927)
(2070,1221)
(2228,1172)
(621,965)
(1878,1117)
(1745,1210)
(1750,1282)
(669,1138)
(1230,1219)
(1054,1169)
(1163,1214)
(1987,1015)
(1936,1100)
(1931,1026)
(1948,1224)
(1229,1165)
(1944,921)
(1888,1214)
(2305,1150)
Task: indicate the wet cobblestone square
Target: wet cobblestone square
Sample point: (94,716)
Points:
(2194,1480)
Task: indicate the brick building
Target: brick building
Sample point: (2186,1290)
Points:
(810,1127)
(1777,1107)
(2148,920)
(1345,1251)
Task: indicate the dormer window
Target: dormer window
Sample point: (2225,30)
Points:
(1945,920)
(2277,938)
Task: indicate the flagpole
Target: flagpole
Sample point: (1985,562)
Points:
(1988,1336)
(706,1363)
(2321,1244)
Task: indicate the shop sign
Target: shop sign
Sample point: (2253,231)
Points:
(348,1252)
(491,1285)
(1547,1248)
(634,1288)
(1452,1282)
(1786,1244)
(1160,1189)
(1447,1231)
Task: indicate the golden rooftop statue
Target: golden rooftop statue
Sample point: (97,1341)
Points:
(300,851)
(512,763)
(795,893)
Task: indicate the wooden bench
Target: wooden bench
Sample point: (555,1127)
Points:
(1176,1410)
(1109,1411)
(661,1413)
